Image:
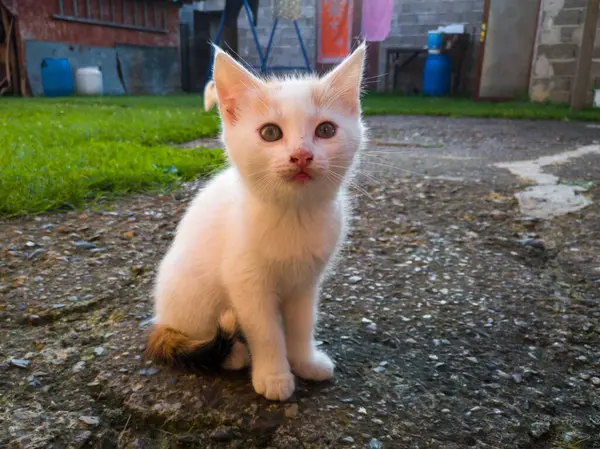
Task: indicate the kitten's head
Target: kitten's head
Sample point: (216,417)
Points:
(292,139)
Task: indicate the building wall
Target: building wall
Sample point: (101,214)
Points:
(149,59)
(36,23)
(285,50)
(411,21)
(414,18)
(555,59)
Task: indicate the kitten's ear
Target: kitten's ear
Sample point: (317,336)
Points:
(346,78)
(231,81)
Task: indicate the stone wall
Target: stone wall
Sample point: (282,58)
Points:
(555,59)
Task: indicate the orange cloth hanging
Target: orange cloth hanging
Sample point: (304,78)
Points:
(335,28)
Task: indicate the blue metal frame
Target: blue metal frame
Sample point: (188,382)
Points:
(265,68)
(264,58)
(218,39)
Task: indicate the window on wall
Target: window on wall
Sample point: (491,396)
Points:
(142,15)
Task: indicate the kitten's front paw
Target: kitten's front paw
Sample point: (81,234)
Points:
(275,387)
(319,367)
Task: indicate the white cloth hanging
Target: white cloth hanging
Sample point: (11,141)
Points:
(286,9)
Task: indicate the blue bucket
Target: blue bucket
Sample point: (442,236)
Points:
(437,75)
(434,41)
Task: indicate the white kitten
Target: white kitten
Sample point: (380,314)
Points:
(251,252)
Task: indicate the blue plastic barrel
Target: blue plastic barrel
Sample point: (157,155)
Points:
(57,78)
(437,75)
(435,40)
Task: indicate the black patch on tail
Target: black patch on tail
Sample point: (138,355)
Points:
(207,358)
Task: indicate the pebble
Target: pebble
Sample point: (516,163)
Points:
(148,371)
(375,444)
(99,350)
(20,363)
(83,244)
(377,421)
(539,429)
(596,381)
(82,438)
(79,366)
(347,440)
(33,320)
(354,279)
(35,253)
(222,434)
(534,243)
(90,420)
(372,327)
(291,411)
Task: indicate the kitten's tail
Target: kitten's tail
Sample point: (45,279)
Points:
(210,95)
(226,349)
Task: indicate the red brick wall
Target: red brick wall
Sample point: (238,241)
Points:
(36,23)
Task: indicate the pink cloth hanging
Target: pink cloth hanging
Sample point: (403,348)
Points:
(376,19)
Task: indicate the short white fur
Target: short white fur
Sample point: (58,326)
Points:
(256,242)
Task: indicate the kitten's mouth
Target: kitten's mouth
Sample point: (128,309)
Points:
(301,176)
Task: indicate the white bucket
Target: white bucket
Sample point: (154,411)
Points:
(88,81)
(597,98)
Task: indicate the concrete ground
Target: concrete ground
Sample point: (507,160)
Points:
(459,316)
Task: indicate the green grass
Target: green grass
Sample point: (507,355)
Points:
(57,154)
(66,153)
(382,104)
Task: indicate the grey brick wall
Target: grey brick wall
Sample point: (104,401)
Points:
(285,50)
(414,18)
(555,58)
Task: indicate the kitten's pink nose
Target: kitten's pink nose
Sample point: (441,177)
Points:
(302,158)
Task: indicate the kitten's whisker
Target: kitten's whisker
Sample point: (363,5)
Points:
(374,77)
(371,177)
(396,168)
(388,152)
(351,184)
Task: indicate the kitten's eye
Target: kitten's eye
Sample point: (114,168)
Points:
(325,130)
(271,133)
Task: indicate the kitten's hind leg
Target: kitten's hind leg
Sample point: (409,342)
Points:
(299,316)
(238,358)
